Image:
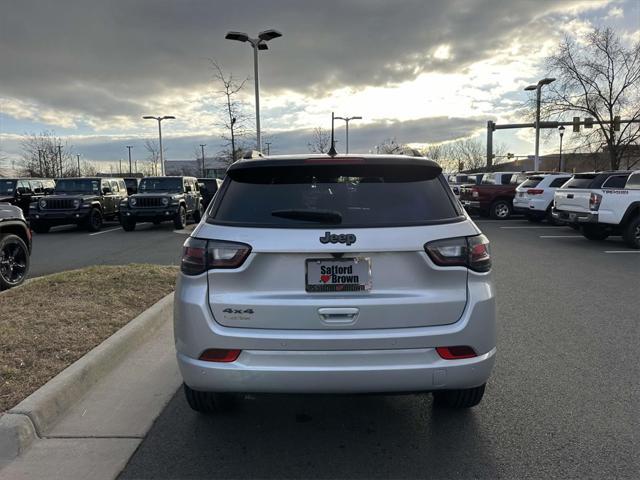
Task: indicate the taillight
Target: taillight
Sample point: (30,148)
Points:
(221,355)
(456,353)
(594,201)
(475,193)
(471,252)
(535,191)
(200,255)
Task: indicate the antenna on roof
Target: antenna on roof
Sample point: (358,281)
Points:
(332,151)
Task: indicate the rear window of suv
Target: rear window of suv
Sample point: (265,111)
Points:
(346,196)
(580,181)
(531,182)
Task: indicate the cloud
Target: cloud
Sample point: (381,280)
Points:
(101,61)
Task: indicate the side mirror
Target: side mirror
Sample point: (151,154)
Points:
(21,190)
(48,191)
(106,190)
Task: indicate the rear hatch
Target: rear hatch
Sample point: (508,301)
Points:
(336,244)
(575,195)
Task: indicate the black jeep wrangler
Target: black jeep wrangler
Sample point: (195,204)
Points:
(22,191)
(87,202)
(15,246)
(160,199)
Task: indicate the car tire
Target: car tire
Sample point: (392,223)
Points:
(209,402)
(94,220)
(500,210)
(463,398)
(180,220)
(197,213)
(550,219)
(128,225)
(14,261)
(40,227)
(631,234)
(594,232)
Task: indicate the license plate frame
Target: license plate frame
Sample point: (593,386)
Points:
(364,267)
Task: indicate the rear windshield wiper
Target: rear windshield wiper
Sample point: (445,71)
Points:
(328,216)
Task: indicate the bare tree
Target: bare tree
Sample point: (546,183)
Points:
(320,141)
(231,111)
(41,156)
(153,157)
(598,77)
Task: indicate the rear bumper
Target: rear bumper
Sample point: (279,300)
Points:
(574,217)
(471,204)
(333,360)
(364,371)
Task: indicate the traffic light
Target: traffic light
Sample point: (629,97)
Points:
(616,123)
(576,124)
(588,122)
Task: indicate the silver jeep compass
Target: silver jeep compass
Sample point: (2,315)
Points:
(349,274)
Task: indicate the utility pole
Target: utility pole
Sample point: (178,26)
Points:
(268,144)
(60,158)
(129,147)
(79,174)
(202,145)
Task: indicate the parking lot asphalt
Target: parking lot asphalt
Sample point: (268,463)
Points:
(563,401)
(67,247)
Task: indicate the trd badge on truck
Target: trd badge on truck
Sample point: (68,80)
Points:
(347,238)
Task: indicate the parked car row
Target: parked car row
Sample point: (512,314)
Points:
(599,204)
(89,201)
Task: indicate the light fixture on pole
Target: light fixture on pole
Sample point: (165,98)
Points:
(159,119)
(560,163)
(129,147)
(259,43)
(202,145)
(538,87)
(347,120)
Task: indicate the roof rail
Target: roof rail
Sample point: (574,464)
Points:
(252,154)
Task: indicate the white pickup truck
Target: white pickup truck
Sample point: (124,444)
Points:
(602,204)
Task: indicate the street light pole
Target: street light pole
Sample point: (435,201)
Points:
(40,161)
(159,119)
(60,159)
(538,89)
(202,145)
(79,174)
(268,144)
(347,120)
(560,163)
(129,147)
(259,43)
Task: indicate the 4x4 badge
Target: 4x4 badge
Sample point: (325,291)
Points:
(347,238)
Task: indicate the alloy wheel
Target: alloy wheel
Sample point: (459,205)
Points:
(13,262)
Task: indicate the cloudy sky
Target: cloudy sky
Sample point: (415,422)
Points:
(423,71)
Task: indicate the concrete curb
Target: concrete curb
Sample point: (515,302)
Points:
(37,413)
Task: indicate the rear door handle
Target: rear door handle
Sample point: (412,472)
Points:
(335,315)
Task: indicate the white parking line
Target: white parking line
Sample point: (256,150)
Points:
(561,236)
(622,251)
(518,228)
(106,231)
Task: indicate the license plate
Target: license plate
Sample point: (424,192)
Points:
(338,275)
